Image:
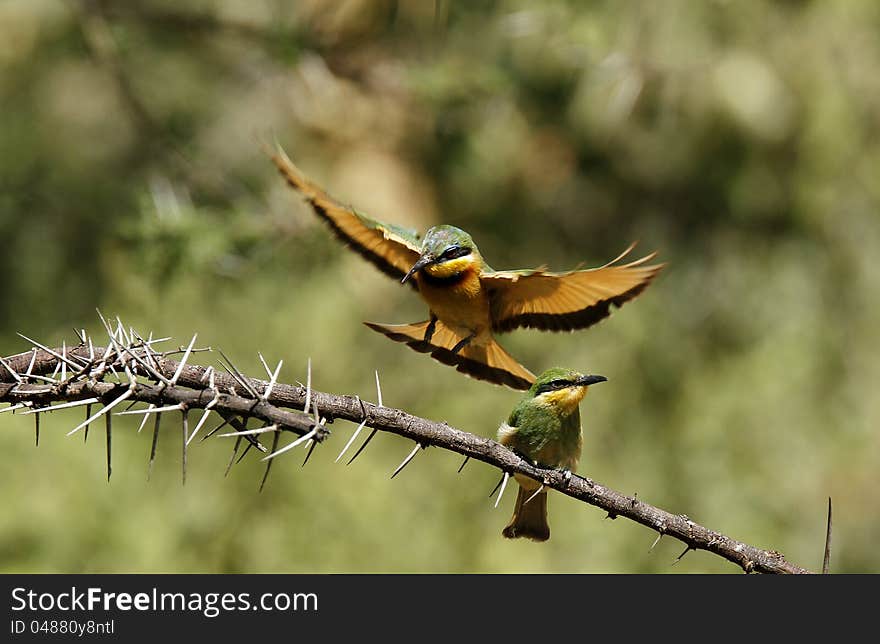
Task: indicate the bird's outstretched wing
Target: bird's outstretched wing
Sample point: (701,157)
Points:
(391,248)
(564,301)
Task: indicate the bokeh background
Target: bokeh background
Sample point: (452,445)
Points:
(739,139)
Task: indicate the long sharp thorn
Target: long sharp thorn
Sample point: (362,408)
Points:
(184,431)
(406,461)
(63,358)
(497,485)
(31,364)
(378,390)
(155,442)
(124,396)
(235,373)
(232,458)
(503,485)
(63,361)
(312,444)
(208,376)
(464,462)
(251,432)
(247,448)
(351,440)
(230,369)
(684,552)
(269,464)
(104,322)
(10,370)
(86,431)
(273,376)
(241,425)
(183,360)
(298,441)
(536,493)
(308,387)
(362,447)
(120,331)
(151,371)
(265,366)
(198,426)
(44,378)
(656,541)
(146,418)
(826,561)
(273,380)
(109,426)
(214,431)
(12,408)
(67,405)
(152,409)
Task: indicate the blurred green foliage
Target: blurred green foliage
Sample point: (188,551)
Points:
(741,140)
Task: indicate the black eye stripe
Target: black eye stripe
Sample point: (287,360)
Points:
(454,252)
(554,385)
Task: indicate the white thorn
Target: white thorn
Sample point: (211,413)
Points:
(14,407)
(75,403)
(145,418)
(216,397)
(43,378)
(200,423)
(10,370)
(656,541)
(125,395)
(378,389)
(120,331)
(31,365)
(151,410)
(251,432)
(410,457)
(537,492)
(47,349)
(351,440)
(265,366)
(501,491)
(183,360)
(298,441)
(308,387)
(273,377)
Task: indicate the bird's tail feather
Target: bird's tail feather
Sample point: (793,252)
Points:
(529,518)
(483,359)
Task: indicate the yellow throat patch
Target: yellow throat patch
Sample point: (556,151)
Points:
(563,400)
(451,267)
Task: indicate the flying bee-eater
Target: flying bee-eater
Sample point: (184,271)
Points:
(468,300)
(545,428)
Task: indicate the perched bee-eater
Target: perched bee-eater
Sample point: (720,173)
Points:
(469,301)
(545,428)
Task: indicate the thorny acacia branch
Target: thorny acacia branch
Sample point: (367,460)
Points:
(183,386)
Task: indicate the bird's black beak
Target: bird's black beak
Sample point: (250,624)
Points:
(424,260)
(585,381)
